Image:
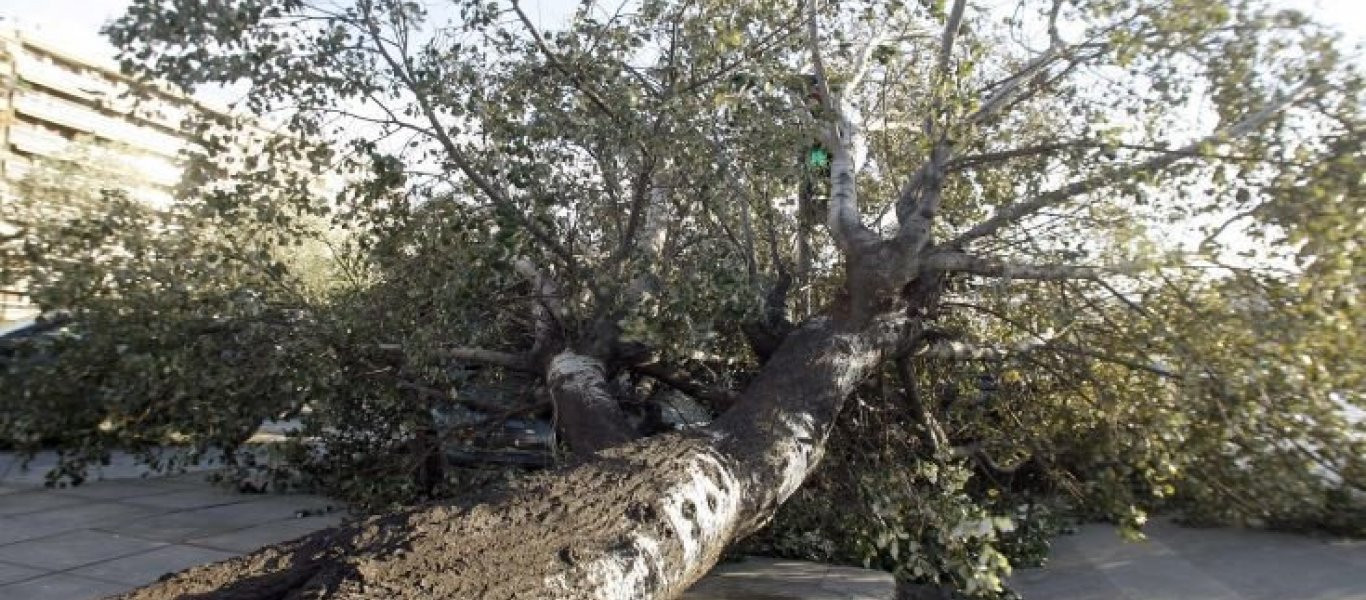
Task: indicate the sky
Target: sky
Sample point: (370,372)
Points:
(77,22)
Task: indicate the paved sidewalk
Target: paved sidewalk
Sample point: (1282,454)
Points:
(1175,563)
(109,536)
(758,578)
(1179,563)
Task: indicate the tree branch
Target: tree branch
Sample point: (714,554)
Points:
(932,432)
(550,57)
(863,63)
(453,153)
(718,399)
(1013,213)
(1008,90)
(992,267)
(968,162)
(431,392)
(918,202)
(1001,97)
(547,314)
(641,194)
(584,410)
(845,224)
(950,34)
(506,360)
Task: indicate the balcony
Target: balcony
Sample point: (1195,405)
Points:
(13,168)
(143,138)
(89,87)
(34,140)
(85,119)
(159,111)
(155,170)
(54,110)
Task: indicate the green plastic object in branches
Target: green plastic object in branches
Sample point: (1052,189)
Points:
(817,157)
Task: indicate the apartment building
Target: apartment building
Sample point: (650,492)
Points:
(51,98)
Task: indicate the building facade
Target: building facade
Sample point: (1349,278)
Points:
(51,99)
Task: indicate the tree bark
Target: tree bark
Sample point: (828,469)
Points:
(641,520)
(586,413)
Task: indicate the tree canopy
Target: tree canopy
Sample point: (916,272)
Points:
(1120,239)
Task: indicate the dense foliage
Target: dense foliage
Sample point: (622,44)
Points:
(1168,194)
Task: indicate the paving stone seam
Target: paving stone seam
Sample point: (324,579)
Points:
(171,510)
(186,542)
(202,546)
(20,514)
(164,490)
(97,500)
(164,544)
(68,570)
(41,573)
(105,530)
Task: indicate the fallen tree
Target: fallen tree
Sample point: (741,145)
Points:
(603,212)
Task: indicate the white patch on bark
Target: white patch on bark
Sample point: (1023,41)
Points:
(855,366)
(656,222)
(577,374)
(843,217)
(795,452)
(625,574)
(704,507)
(702,510)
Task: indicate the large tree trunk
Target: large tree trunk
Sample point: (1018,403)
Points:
(642,520)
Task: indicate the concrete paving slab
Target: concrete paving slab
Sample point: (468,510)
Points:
(190,499)
(1066,583)
(31,472)
(184,525)
(1353,551)
(1274,567)
(171,527)
(146,567)
(757,578)
(74,549)
(1099,544)
(119,489)
(30,501)
(67,518)
(60,586)
(249,514)
(1165,577)
(1068,551)
(195,479)
(859,584)
(18,529)
(251,538)
(1188,563)
(107,536)
(291,504)
(10,573)
(1191,541)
